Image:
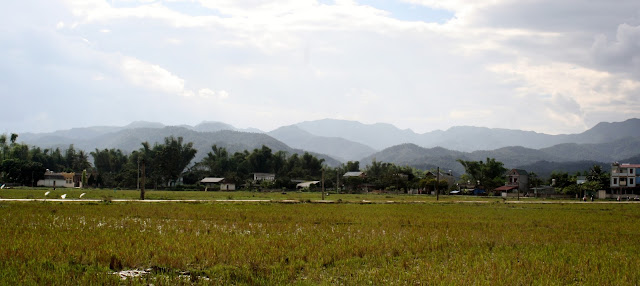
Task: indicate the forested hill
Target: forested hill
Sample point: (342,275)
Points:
(130,139)
(562,157)
(466,138)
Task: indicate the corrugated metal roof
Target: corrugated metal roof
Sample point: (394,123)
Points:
(353,174)
(307,184)
(506,188)
(629,165)
(211,180)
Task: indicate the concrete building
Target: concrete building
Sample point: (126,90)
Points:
(519,178)
(624,179)
(60,180)
(213,183)
(517,183)
(264,177)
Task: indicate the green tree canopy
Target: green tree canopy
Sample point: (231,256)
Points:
(490,174)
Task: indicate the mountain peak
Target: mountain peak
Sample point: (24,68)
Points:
(144,124)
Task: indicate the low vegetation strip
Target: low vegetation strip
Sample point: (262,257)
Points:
(248,244)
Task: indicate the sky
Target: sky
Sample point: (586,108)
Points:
(541,65)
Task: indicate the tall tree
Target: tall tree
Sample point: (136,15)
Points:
(489,174)
(172,158)
(4,148)
(14,138)
(352,166)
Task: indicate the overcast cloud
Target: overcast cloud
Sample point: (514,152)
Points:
(547,66)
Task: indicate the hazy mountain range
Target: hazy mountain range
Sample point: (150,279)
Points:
(341,140)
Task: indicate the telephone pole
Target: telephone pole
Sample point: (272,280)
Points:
(437,183)
(323,184)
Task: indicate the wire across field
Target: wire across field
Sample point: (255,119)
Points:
(273,243)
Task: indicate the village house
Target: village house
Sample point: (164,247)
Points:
(257,177)
(60,180)
(624,179)
(447,177)
(218,183)
(517,183)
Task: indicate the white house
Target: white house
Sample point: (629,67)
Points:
(211,182)
(264,177)
(58,180)
(625,177)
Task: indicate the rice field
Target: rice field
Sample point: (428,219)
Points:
(106,194)
(43,243)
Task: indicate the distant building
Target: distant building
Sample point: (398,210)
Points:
(354,174)
(519,178)
(306,185)
(448,177)
(217,183)
(517,181)
(624,178)
(264,177)
(60,180)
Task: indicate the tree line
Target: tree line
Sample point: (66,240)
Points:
(170,161)
(490,175)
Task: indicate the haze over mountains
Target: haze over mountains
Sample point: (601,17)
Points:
(340,141)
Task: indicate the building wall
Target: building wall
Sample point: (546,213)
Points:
(522,181)
(624,176)
(264,177)
(227,187)
(59,183)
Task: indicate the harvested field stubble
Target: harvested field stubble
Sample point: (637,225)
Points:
(231,243)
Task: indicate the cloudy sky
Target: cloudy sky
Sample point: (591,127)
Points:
(543,65)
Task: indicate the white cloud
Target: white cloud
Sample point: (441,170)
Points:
(591,89)
(151,76)
(223,94)
(623,53)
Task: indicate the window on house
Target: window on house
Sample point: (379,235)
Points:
(631,171)
(631,181)
(615,181)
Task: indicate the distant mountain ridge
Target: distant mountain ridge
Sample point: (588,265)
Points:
(341,140)
(466,138)
(567,156)
(95,131)
(129,140)
(339,148)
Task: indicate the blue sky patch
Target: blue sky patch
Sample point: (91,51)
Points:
(410,12)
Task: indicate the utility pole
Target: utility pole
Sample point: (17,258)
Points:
(138,174)
(337,181)
(142,181)
(437,182)
(323,184)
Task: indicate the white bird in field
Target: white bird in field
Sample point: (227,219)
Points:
(82,195)
(64,196)
(47,193)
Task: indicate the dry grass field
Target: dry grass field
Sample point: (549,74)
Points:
(272,243)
